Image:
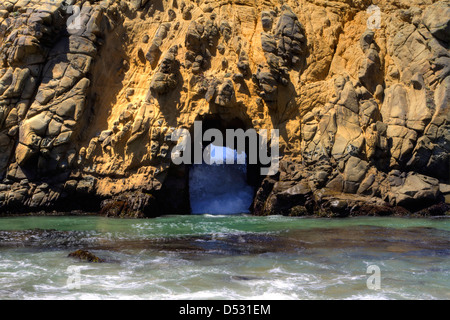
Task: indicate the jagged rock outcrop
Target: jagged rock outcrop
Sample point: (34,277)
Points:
(166,78)
(92,91)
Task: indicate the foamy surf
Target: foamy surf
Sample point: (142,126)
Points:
(225,257)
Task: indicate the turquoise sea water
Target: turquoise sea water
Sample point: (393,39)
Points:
(224,257)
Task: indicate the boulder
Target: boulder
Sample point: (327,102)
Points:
(225,93)
(416,190)
(85,255)
(355,171)
(436,17)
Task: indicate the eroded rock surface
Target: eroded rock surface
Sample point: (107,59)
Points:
(91,91)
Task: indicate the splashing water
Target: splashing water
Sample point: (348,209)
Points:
(220,188)
(225,257)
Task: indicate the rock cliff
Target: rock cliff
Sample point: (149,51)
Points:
(91,91)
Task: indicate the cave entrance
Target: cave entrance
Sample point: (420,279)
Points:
(217,186)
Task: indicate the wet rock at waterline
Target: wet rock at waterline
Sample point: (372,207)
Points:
(84,255)
(88,106)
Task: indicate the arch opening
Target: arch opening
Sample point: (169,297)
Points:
(223,188)
(218,187)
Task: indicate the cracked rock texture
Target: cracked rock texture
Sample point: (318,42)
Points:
(91,93)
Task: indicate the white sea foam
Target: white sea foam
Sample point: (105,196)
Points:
(209,273)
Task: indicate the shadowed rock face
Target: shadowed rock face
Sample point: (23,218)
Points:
(90,95)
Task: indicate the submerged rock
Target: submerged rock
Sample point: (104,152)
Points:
(85,256)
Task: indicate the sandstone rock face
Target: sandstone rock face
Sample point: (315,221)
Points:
(91,92)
